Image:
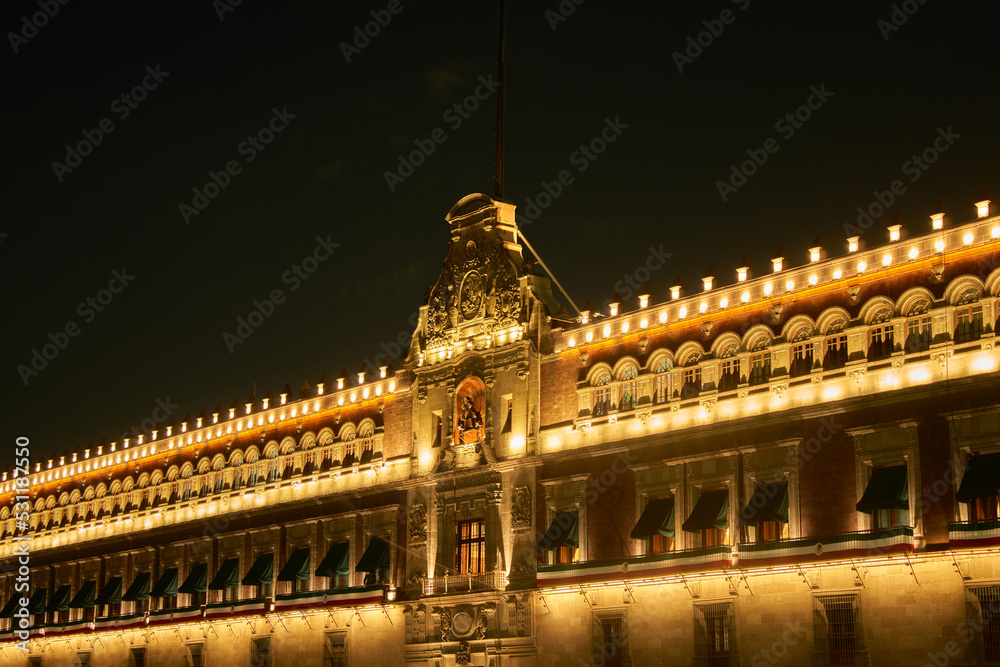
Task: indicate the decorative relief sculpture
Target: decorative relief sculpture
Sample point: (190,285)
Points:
(520,510)
(418,524)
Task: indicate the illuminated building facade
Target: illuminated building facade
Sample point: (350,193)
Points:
(794,468)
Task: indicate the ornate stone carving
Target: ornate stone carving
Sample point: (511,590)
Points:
(644,415)
(520,509)
(418,524)
(463,656)
(779,390)
(857,375)
(709,405)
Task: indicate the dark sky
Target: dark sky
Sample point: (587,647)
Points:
(888,93)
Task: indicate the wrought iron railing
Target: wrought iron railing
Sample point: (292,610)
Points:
(465,583)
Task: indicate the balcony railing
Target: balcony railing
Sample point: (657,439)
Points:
(966,534)
(846,545)
(637,567)
(465,583)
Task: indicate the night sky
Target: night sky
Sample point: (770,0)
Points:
(338,111)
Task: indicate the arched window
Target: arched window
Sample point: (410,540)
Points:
(663,390)
(880,335)
(835,346)
(968,316)
(348,436)
(729,373)
(602,394)
(629,389)
(692,376)
(252,468)
(760,361)
(918,327)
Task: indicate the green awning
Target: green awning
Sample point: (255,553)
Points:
(336,562)
(769,502)
(85,597)
(375,558)
(11,606)
(139,590)
(197,580)
(297,567)
(981,478)
(261,571)
(711,511)
(60,600)
(228,575)
(887,489)
(111,593)
(36,605)
(656,519)
(564,531)
(166,585)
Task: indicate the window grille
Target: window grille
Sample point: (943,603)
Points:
(194,655)
(137,657)
(838,630)
(470,547)
(260,652)
(335,650)
(610,638)
(982,610)
(716,639)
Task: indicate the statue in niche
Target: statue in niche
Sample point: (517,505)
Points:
(470,421)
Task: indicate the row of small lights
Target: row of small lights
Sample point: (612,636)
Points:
(815,255)
(76,468)
(447,351)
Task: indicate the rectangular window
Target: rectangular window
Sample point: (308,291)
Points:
(187,489)
(890,518)
(436,428)
(658,544)
(715,634)
(692,382)
(714,537)
(985,509)
(835,354)
(730,376)
(918,334)
(838,631)
(662,390)
(880,342)
(470,547)
(982,604)
(772,531)
(760,368)
(630,398)
(610,638)
(335,650)
(194,655)
(508,412)
(260,652)
(82,660)
(802,359)
(602,401)
(137,657)
(272,470)
(969,323)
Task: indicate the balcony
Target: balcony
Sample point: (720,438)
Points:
(638,567)
(831,547)
(971,534)
(465,583)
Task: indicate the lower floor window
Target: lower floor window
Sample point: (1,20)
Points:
(839,634)
(610,638)
(983,623)
(260,652)
(335,650)
(715,634)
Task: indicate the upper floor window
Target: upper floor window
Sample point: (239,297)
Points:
(802,359)
(835,346)
(886,498)
(968,316)
(692,377)
(602,395)
(470,547)
(760,364)
(629,389)
(729,373)
(880,336)
(918,327)
(663,390)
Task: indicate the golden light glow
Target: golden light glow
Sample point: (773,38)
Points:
(606,331)
(813,279)
(862,266)
(644,323)
(814,254)
(790,285)
(995,232)
(707,282)
(624,327)
(852,244)
(675,292)
(967,239)
(939,245)
(887,260)
(984,362)
(983,208)
(614,310)
(776,263)
(643,300)
(703,306)
(767,289)
(745,297)
(590,336)
(663,317)
(937,221)
(894,232)
(913,253)
(741,274)
(683,312)
(723,302)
